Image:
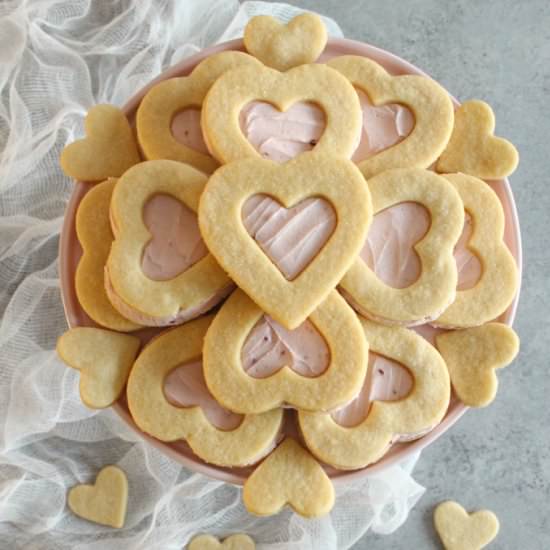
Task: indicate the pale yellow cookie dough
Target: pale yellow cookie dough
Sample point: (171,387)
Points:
(233,542)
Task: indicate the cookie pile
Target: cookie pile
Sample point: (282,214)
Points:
(256,203)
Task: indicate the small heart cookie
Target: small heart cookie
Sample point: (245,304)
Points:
(429,102)
(472,356)
(104,359)
(473,148)
(236,390)
(165,100)
(177,348)
(321,85)
(105,501)
(176,298)
(108,149)
(93,229)
(435,289)
(234,542)
(336,180)
(281,46)
(289,475)
(499,280)
(459,530)
(425,405)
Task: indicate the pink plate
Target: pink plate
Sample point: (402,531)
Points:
(70,252)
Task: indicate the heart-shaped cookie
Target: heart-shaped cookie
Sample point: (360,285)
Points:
(429,102)
(473,148)
(318,84)
(289,475)
(281,46)
(349,448)
(495,289)
(311,174)
(104,359)
(472,356)
(93,229)
(229,383)
(108,149)
(435,288)
(459,530)
(234,542)
(105,501)
(155,415)
(137,296)
(165,100)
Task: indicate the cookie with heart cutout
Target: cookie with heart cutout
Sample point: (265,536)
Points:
(108,149)
(318,84)
(300,370)
(430,104)
(289,475)
(474,149)
(435,289)
(93,229)
(311,175)
(459,530)
(472,356)
(168,117)
(159,272)
(105,501)
(190,413)
(300,41)
(239,541)
(498,281)
(104,359)
(349,447)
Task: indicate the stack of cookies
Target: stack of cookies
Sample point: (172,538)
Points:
(322,242)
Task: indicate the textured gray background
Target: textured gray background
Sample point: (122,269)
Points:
(498,51)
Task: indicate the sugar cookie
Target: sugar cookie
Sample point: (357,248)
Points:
(233,542)
(93,229)
(282,46)
(108,149)
(349,448)
(169,97)
(318,84)
(435,288)
(459,530)
(429,102)
(239,392)
(153,414)
(289,475)
(473,148)
(336,180)
(498,284)
(105,501)
(137,296)
(472,355)
(103,358)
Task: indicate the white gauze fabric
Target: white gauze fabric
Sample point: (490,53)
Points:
(57,59)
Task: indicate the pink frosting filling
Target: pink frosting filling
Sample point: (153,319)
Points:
(186,128)
(176,242)
(386,380)
(468,264)
(269,347)
(291,237)
(185,387)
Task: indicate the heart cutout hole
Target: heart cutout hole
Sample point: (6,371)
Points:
(269,347)
(185,387)
(387,380)
(467,263)
(282,135)
(383,126)
(176,243)
(290,237)
(186,129)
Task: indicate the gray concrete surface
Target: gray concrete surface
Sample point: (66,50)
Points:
(498,51)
